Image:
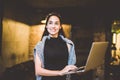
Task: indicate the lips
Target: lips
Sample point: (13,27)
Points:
(53,30)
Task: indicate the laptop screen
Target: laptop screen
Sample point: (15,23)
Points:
(96,55)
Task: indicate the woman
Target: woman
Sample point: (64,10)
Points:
(55,54)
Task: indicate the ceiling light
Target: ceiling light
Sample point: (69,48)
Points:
(43,21)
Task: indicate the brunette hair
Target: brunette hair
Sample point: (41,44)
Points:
(47,18)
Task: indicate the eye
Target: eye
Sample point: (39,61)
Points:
(57,23)
(50,22)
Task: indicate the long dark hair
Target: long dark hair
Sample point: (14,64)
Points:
(47,18)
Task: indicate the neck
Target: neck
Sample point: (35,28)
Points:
(53,36)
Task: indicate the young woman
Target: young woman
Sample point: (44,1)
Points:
(54,55)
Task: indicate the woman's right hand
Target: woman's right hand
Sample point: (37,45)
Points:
(67,69)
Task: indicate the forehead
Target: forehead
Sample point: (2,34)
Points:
(54,18)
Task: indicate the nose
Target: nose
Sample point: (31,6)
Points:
(53,25)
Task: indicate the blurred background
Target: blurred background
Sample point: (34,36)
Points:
(84,21)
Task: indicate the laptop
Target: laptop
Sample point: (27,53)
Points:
(95,58)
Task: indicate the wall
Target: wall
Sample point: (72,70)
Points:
(15,42)
(36,32)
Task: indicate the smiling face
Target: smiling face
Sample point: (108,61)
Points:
(53,26)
